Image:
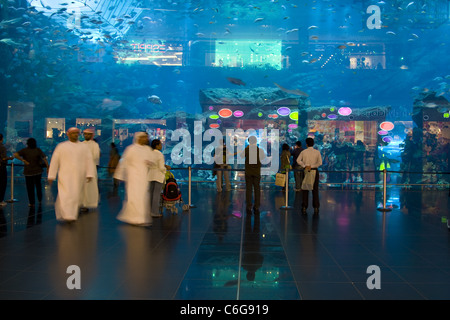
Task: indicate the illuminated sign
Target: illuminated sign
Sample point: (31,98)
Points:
(154,52)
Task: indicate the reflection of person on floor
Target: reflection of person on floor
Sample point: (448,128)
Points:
(220,223)
(34,218)
(72,163)
(252,259)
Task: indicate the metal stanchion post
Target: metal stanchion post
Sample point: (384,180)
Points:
(384,209)
(286,206)
(12,185)
(190,188)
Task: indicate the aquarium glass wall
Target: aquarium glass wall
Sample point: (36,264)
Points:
(368,80)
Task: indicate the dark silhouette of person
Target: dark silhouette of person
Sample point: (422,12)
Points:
(298,171)
(253,157)
(34,159)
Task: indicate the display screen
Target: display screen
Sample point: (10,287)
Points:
(248,53)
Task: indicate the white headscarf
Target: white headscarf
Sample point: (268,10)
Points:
(137,135)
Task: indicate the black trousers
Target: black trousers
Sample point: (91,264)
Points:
(34,182)
(3,181)
(252,185)
(315,194)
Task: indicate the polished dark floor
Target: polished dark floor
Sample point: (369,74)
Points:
(214,251)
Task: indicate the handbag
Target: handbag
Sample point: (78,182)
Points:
(280,179)
(308,180)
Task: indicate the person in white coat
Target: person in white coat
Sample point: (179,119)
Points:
(157,177)
(310,159)
(133,169)
(90,195)
(72,164)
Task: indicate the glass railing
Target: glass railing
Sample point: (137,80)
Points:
(203,176)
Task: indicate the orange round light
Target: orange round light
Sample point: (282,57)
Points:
(225,113)
(387,126)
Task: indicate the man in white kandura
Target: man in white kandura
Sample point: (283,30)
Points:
(72,163)
(310,159)
(90,194)
(133,169)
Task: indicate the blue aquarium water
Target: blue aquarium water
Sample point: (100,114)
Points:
(368,80)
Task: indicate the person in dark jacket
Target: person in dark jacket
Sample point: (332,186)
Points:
(253,156)
(298,170)
(3,172)
(34,159)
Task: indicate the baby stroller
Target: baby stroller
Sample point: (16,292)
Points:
(171,195)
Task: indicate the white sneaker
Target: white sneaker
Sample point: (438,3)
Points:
(3,203)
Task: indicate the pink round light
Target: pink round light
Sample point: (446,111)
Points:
(293,126)
(238,113)
(225,113)
(387,125)
(211,108)
(382,132)
(345,111)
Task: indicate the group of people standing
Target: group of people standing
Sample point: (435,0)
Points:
(303,160)
(73,162)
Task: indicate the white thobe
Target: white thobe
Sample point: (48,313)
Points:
(157,171)
(71,163)
(133,169)
(90,194)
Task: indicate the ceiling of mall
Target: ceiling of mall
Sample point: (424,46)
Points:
(95,19)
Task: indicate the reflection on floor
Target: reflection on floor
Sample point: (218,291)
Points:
(215,251)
